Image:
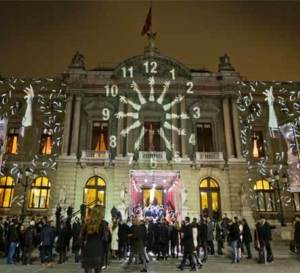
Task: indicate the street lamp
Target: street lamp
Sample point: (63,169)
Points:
(278,189)
(25,185)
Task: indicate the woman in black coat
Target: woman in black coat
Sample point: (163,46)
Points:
(94,235)
(247,238)
(297,235)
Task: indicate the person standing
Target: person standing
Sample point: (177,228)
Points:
(297,235)
(114,237)
(202,238)
(2,236)
(47,239)
(94,233)
(247,238)
(263,237)
(188,245)
(174,231)
(136,237)
(29,237)
(163,239)
(76,229)
(234,237)
(210,235)
(62,241)
(13,240)
(123,239)
(220,237)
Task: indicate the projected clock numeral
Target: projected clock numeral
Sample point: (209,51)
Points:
(150,67)
(105,114)
(190,86)
(192,139)
(172,71)
(127,71)
(196,111)
(112,90)
(113,141)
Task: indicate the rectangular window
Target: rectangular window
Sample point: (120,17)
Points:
(204,137)
(46,142)
(152,137)
(257,144)
(12,141)
(100,136)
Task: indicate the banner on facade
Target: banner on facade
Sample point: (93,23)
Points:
(3,132)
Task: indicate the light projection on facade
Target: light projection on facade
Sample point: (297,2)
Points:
(270,135)
(161,94)
(41,108)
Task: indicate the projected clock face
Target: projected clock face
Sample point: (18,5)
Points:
(159,90)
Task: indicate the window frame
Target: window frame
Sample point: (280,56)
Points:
(49,133)
(210,190)
(5,187)
(92,130)
(11,135)
(95,187)
(205,122)
(40,188)
(271,191)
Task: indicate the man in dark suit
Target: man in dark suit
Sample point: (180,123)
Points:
(188,245)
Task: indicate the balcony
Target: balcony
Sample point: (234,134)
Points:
(92,156)
(209,158)
(145,156)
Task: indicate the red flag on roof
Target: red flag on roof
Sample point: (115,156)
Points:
(148,22)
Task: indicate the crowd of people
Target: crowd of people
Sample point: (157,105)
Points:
(135,240)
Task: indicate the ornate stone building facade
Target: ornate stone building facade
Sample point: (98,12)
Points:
(150,122)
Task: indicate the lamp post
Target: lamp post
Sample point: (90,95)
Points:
(25,185)
(278,188)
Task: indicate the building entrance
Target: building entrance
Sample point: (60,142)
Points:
(156,193)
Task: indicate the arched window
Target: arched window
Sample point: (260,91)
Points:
(210,204)
(39,193)
(94,192)
(265,195)
(6,191)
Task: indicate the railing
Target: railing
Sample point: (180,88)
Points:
(147,156)
(209,156)
(91,154)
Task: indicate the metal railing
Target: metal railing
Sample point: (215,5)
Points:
(147,156)
(92,154)
(209,156)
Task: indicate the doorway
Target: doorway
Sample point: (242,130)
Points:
(210,204)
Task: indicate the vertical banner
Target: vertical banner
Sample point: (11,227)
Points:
(3,132)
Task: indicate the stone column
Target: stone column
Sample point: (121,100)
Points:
(183,125)
(76,126)
(119,129)
(67,125)
(236,127)
(227,128)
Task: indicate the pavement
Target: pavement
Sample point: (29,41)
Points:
(285,261)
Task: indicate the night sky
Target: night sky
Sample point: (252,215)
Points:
(262,38)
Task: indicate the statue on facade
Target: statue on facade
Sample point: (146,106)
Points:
(77,60)
(224,63)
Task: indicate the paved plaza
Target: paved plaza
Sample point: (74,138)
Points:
(284,262)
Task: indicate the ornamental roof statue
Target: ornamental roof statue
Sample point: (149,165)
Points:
(77,61)
(224,63)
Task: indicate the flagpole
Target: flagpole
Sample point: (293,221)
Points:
(151,16)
